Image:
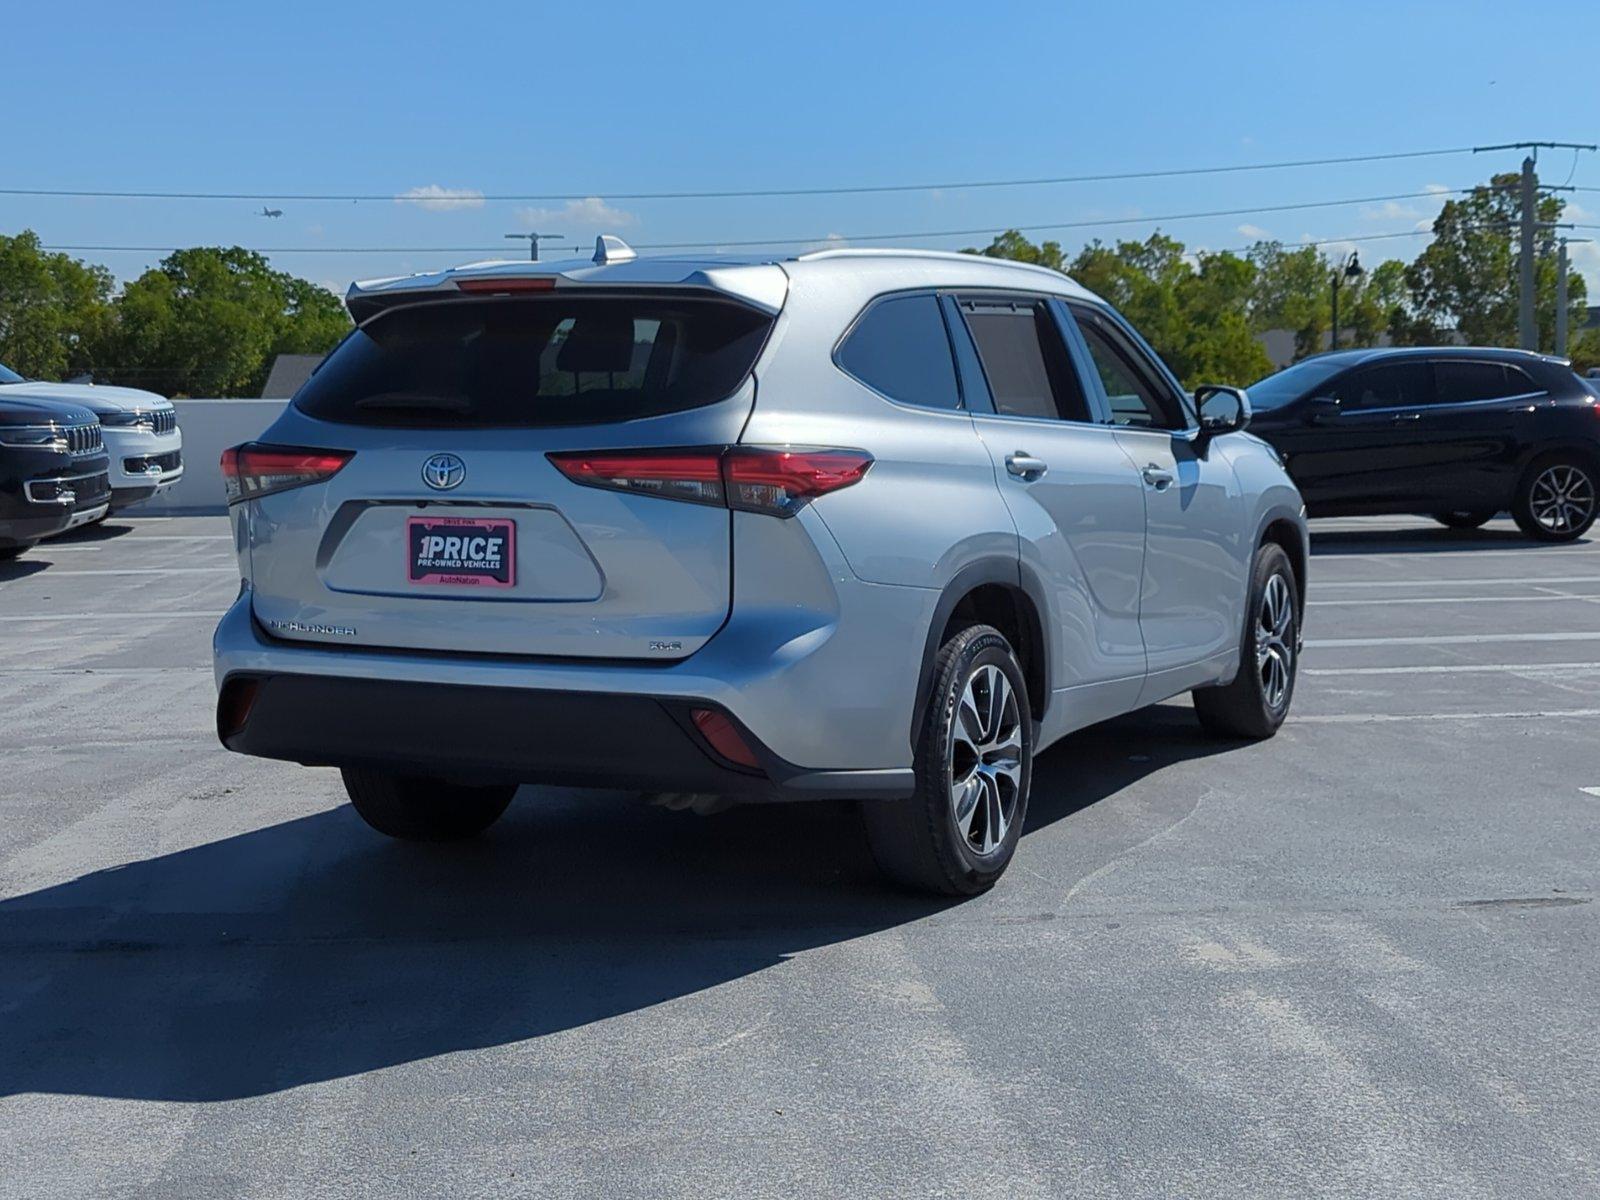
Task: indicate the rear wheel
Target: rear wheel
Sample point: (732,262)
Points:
(423,810)
(1464,518)
(974,764)
(1256,702)
(1556,500)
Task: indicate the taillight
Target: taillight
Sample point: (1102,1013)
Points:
(508,286)
(778,481)
(688,474)
(781,482)
(253,470)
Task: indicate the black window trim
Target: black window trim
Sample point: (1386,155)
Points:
(1001,296)
(1435,363)
(955,362)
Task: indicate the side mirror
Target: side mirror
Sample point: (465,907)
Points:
(1222,409)
(1322,409)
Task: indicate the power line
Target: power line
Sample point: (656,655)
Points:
(1045,227)
(466,197)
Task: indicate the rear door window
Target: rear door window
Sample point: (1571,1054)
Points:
(1394,385)
(1460,382)
(1024,359)
(899,347)
(539,361)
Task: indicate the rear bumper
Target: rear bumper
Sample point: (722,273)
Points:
(511,735)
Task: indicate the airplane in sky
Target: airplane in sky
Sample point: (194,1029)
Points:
(271,212)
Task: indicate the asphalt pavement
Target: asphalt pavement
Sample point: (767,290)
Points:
(1357,960)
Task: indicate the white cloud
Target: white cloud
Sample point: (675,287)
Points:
(1438,189)
(1585,259)
(592,214)
(1255,233)
(1390,210)
(433,198)
(834,241)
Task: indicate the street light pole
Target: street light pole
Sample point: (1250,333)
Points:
(1352,269)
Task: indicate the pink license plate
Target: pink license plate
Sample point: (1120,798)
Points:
(462,551)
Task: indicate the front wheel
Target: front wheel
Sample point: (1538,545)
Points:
(1556,500)
(1256,702)
(974,764)
(423,810)
(1464,518)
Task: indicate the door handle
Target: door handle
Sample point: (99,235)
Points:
(1025,466)
(1156,478)
(1398,417)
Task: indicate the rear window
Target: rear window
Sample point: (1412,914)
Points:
(550,360)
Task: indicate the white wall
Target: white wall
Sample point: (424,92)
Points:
(209,427)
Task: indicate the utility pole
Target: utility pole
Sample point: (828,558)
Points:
(533,241)
(1561,294)
(1528,196)
(1527,323)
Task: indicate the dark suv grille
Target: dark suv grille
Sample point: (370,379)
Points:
(84,439)
(166,420)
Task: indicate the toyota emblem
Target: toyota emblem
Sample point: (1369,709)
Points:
(443,472)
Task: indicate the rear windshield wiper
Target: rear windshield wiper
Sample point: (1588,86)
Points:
(419,401)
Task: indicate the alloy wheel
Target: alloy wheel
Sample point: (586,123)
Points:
(1562,498)
(1275,641)
(985,759)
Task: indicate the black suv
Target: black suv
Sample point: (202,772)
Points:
(1454,432)
(54,473)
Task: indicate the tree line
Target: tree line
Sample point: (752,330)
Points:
(1203,310)
(209,320)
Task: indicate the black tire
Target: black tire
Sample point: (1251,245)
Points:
(1247,707)
(1557,497)
(916,841)
(423,810)
(1464,518)
(7,553)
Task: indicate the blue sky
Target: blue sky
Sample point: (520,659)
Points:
(601,99)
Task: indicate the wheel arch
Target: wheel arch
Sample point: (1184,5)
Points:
(999,592)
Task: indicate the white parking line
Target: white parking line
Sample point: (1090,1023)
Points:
(1587,551)
(1451,639)
(58,572)
(1390,600)
(1527,580)
(1388,718)
(115,616)
(1571,668)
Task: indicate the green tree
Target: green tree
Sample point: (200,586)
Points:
(209,320)
(1467,278)
(55,311)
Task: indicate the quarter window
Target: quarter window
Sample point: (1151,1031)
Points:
(900,348)
(1025,360)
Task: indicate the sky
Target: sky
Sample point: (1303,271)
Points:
(593,101)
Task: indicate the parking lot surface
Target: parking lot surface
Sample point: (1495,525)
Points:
(1357,960)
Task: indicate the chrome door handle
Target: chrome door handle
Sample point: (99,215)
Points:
(1398,417)
(1155,477)
(1025,466)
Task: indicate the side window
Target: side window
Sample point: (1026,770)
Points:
(1459,382)
(1137,399)
(1397,385)
(900,348)
(1025,360)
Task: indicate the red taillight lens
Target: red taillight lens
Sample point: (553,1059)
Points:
(253,470)
(774,480)
(781,482)
(724,737)
(693,474)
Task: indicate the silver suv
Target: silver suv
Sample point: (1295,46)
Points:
(876,525)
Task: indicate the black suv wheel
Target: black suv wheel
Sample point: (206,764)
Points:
(1556,499)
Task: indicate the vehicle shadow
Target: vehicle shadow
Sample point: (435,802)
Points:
(21,568)
(102,531)
(313,949)
(1425,541)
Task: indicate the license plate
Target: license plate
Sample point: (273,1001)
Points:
(462,551)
